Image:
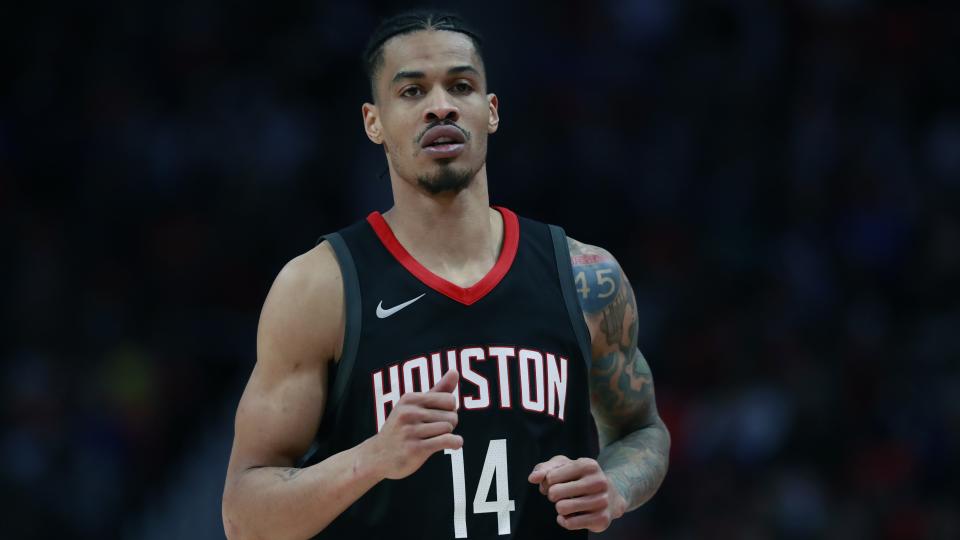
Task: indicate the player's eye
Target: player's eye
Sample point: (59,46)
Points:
(411,91)
(461,88)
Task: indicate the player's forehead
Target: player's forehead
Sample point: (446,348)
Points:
(426,51)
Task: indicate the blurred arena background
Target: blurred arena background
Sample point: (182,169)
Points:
(781,181)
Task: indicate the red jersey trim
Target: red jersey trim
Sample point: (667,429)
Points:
(466,296)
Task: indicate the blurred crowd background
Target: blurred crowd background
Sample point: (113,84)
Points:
(780,180)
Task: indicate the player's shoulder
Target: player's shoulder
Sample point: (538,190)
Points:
(312,275)
(583,254)
(598,277)
(305,302)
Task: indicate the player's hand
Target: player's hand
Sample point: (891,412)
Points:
(422,423)
(581,492)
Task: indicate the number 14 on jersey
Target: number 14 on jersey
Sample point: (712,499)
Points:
(494,465)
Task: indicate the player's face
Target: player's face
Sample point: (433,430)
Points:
(432,114)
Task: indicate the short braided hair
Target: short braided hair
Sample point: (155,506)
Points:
(407,22)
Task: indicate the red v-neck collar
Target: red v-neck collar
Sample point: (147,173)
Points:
(468,295)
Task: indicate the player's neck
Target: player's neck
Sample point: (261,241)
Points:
(456,236)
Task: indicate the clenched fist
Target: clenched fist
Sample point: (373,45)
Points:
(422,423)
(581,492)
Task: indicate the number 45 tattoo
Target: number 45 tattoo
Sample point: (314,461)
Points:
(597,277)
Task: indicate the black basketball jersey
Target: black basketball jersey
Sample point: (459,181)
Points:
(521,346)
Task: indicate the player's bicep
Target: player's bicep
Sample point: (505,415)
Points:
(278,416)
(621,384)
(280,410)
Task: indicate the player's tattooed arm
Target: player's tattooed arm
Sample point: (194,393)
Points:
(635,443)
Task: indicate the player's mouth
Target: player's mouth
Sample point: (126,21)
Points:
(444,141)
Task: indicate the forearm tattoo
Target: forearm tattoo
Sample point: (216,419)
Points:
(635,441)
(288,473)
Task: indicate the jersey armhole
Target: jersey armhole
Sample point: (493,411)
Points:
(352,303)
(561,253)
(351,341)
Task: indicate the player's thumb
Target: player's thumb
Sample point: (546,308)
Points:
(538,474)
(541,469)
(447,383)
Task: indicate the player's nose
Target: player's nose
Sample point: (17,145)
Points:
(440,107)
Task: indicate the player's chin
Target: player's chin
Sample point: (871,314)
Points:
(446,179)
(444,161)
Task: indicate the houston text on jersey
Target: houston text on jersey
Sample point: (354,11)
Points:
(542,379)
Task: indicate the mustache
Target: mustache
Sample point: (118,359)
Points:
(466,134)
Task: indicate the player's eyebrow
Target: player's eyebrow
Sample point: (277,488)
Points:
(463,69)
(420,75)
(407,75)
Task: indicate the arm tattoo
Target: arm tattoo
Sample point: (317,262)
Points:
(288,473)
(635,441)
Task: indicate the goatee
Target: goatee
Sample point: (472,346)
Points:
(448,179)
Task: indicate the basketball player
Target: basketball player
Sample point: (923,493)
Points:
(454,363)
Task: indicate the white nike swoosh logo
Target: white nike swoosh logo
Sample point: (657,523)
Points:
(384,313)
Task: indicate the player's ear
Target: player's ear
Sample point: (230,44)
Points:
(371,123)
(494,104)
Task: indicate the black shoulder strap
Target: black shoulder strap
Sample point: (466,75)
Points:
(565,269)
(352,303)
(351,339)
